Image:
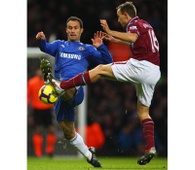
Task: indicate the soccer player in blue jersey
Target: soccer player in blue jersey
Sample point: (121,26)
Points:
(71,58)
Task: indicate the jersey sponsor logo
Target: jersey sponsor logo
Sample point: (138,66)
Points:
(71,56)
(81,48)
(133,28)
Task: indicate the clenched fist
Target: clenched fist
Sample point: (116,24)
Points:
(40,36)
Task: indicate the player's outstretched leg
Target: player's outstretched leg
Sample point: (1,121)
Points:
(146,158)
(56,84)
(94,161)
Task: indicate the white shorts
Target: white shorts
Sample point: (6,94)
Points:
(143,74)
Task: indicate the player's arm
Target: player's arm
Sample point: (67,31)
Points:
(101,55)
(49,48)
(106,57)
(40,36)
(123,36)
(115,40)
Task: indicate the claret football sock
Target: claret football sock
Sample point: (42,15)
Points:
(148,131)
(80,79)
(150,151)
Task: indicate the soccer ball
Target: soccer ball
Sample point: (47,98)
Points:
(47,94)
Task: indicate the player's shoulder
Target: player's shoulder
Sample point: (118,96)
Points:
(57,42)
(87,46)
(139,24)
(143,23)
(60,41)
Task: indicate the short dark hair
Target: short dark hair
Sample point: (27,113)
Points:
(129,8)
(74,18)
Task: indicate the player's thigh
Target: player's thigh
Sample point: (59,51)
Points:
(69,94)
(125,72)
(145,93)
(147,82)
(103,71)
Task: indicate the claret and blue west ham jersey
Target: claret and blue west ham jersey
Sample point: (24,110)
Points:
(72,58)
(146,47)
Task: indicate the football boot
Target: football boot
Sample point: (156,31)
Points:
(94,161)
(46,68)
(146,158)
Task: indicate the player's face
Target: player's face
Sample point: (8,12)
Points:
(74,30)
(122,18)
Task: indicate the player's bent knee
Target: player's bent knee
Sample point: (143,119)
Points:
(68,129)
(68,134)
(105,70)
(100,68)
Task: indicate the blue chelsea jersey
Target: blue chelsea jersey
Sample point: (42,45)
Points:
(72,58)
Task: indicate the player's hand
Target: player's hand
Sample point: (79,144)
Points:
(104,25)
(110,38)
(97,39)
(40,36)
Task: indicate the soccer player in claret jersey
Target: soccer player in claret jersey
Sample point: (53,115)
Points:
(71,58)
(142,69)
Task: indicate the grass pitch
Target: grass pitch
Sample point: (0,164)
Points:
(108,163)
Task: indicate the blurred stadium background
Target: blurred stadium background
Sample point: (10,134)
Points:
(110,104)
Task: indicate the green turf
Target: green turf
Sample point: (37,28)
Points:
(108,163)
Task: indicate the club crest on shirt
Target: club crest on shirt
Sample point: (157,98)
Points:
(81,48)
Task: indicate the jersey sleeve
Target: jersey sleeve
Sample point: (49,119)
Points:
(134,29)
(106,56)
(101,55)
(138,27)
(49,48)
